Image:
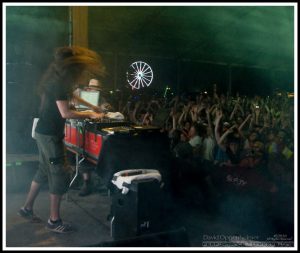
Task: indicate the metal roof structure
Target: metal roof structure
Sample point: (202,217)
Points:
(259,36)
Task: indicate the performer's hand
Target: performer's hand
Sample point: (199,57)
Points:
(97,109)
(96,115)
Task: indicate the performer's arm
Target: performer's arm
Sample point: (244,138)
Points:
(67,113)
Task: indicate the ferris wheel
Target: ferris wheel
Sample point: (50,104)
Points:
(139,75)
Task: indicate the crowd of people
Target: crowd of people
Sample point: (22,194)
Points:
(219,140)
(222,130)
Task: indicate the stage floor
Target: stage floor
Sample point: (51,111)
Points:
(89,216)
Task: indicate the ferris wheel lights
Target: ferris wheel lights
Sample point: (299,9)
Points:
(139,75)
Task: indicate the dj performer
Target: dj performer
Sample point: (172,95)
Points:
(56,88)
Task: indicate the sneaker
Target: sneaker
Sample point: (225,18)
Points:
(29,215)
(86,190)
(59,227)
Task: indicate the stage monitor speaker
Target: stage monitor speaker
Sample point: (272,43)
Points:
(138,212)
(172,238)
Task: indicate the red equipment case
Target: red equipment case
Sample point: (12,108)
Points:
(86,142)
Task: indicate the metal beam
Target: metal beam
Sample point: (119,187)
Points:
(79,25)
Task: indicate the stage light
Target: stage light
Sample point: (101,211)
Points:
(166,91)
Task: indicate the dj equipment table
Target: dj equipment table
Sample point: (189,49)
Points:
(115,145)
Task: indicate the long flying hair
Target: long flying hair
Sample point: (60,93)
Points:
(68,67)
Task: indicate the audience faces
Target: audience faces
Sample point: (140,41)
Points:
(245,126)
